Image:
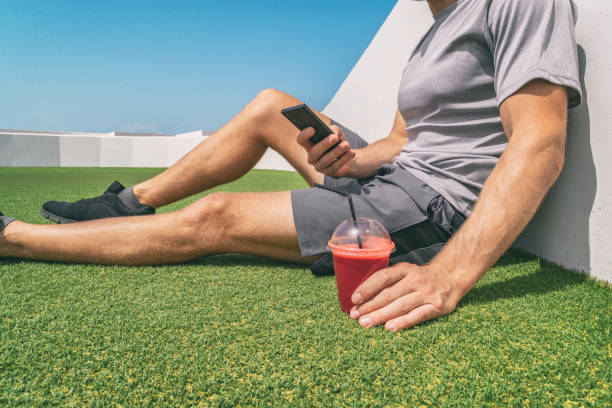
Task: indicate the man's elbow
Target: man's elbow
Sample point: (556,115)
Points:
(555,156)
(544,152)
(558,163)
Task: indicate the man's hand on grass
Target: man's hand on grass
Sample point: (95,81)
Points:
(404,295)
(335,163)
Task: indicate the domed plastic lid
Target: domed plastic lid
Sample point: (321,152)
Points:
(363,237)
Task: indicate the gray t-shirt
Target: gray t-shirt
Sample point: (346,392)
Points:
(476,54)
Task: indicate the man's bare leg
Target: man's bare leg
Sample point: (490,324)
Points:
(232,151)
(255,223)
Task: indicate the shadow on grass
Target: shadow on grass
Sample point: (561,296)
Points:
(223,260)
(515,256)
(547,278)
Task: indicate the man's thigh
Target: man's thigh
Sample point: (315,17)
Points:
(418,219)
(258,223)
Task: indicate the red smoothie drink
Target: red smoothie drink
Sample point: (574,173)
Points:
(354,264)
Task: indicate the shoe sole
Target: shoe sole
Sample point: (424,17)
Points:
(55,218)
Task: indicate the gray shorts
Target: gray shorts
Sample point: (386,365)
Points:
(419,220)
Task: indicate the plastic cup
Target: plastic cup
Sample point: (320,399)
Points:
(354,264)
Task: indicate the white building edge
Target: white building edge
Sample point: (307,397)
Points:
(574,225)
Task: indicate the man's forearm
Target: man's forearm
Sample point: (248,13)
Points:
(509,199)
(370,158)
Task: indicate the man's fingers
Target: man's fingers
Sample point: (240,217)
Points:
(323,160)
(398,307)
(416,316)
(383,298)
(337,165)
(304,136)
(337,130)
(320,148)
(377,282)
(329,158)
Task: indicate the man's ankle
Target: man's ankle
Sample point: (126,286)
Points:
(140,193)
(8,247)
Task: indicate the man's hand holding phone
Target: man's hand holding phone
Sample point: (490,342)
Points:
(327,148)
(336,162)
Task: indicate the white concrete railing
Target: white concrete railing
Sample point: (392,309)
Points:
(114,149)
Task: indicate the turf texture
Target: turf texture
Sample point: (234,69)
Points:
(242,330)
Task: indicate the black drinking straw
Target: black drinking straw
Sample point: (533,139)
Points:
(350,200)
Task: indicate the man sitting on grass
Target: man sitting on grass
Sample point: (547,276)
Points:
(479,134)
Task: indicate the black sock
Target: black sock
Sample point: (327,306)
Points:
(128,198)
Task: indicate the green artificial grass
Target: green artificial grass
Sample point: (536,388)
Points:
(242,330)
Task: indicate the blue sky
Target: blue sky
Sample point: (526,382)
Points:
(171,66)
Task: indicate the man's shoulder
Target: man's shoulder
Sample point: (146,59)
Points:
(506,7)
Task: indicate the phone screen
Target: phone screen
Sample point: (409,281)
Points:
(302,117)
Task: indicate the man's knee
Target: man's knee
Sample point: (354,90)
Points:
(269,102)
(209,213)
(271,96)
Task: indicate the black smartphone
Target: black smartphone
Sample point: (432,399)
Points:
(302,117)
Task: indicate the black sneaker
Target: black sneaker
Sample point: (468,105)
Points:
(104,206)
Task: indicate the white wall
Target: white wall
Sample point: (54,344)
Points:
(573,228)
(116,151)
(574,225)
(37,149)
(79,151)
